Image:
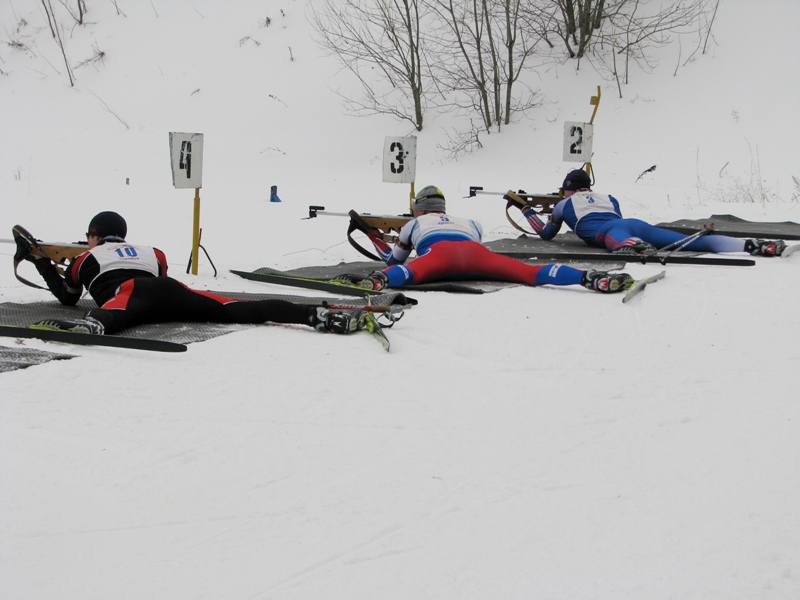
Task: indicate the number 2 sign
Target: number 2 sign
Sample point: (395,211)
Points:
(399,159)
(578,141)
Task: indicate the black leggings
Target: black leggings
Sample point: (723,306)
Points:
(163,299)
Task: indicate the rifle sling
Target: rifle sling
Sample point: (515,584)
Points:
(514,223)
(355,225)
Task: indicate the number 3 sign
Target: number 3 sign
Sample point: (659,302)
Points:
(399,159)
(578,141)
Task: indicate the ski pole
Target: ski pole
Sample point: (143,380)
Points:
(684,242)
(390,310)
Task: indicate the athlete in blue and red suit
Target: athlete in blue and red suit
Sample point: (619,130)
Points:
(450,248)
(597,220)
(129,282)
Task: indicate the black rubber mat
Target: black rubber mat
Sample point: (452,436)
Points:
(12,358)
(736,227)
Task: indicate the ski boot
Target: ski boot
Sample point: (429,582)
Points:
(636,247)
(327,320)
(764,247)
(87,325)
(375,281)
(606,283)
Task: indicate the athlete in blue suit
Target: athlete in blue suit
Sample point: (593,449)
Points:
(597,220)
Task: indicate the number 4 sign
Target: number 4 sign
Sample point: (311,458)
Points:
(399,159)
(186,153)
(578,141)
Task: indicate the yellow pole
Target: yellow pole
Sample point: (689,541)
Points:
(411,199)
(196,231)
(594,101)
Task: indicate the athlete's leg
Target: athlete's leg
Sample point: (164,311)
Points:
(716,243)
(163,299)
(463,260)
(623,231)
(559,275)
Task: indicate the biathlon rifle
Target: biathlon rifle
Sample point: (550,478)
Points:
(541,203)
(58,252)
(378,228)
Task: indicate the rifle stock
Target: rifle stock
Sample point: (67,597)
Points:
(544,202)
(385,222)
(58,252)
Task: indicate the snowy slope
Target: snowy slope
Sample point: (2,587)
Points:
(547,443)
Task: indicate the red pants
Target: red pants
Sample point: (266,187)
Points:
(465,260)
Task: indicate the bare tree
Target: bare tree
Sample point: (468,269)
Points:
(579,20)
(81,10)
(633,29)
(380,37)
(622,24)
(482,47)
(55,29)
(605,31)
(473,53)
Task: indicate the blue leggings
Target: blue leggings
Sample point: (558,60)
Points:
(621,232)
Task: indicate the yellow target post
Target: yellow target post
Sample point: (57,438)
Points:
(594,101)
(186,153)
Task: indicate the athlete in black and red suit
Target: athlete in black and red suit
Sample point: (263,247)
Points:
(129,282)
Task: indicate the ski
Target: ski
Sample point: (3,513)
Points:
(323,285)
(635,258)
(368,320)
(790,250)
(89,339)
(375,329)
(639,285)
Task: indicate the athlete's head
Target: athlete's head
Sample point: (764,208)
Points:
(430,198)
(107,223)
(576,180)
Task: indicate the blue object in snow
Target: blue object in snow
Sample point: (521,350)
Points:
(273,194)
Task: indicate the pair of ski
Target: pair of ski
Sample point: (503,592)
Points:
(366,321)
(341,287)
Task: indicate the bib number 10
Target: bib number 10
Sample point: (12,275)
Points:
(126,252)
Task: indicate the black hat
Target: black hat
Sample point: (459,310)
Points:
(108,223)
(576,180)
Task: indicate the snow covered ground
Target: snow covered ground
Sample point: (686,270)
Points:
(529,443)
